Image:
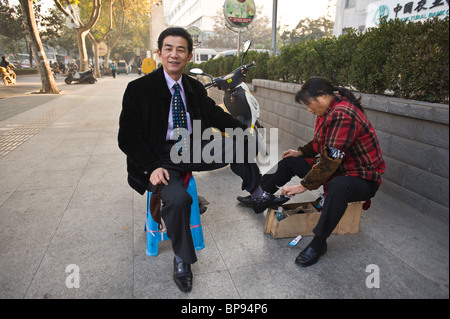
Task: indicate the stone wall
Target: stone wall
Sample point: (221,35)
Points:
(413,136)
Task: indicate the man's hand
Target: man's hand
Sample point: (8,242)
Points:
(291,153)
(158,176)
(290,191)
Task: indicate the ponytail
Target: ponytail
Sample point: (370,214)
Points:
(317,86)
(349,95)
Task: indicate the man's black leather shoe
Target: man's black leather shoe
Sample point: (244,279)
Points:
(267,200)
(309,256)
(182,275)
(246,200)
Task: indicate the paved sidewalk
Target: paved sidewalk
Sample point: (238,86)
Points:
(65,206)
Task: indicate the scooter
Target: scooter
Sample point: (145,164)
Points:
(8,75)
(84,77)
(238,100)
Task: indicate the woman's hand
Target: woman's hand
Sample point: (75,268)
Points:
(291,153)
(290,191)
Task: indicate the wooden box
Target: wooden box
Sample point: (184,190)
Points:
(304,222)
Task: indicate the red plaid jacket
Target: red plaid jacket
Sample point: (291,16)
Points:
(346,128)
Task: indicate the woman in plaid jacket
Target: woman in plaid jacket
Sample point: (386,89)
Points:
(350,162)
(344,156)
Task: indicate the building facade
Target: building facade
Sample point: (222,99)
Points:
(187,13)
(364,14)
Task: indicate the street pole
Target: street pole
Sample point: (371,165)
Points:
(274,27)
(238,43)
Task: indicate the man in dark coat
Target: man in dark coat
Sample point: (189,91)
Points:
(148,136)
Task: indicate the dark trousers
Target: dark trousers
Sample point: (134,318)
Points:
(176,208)
(340,191)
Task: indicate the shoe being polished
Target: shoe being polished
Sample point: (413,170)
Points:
(267,200)
(309,256)
(246,200)
(182,275)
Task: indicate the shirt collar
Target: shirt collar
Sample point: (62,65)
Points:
(333,103)
(171,82)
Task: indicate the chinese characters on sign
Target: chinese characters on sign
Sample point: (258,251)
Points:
(239,13)
(406,10)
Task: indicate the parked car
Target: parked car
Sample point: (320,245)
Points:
(122,67)
(225,53)
(233,53)
(203,55)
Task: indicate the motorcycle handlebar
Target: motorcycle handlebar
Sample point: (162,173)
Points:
(248,66)
(241,70)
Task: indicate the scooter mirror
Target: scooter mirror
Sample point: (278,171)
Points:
(246,45)
(196,71)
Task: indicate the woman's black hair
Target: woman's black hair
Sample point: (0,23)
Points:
(317,86)
(176,32)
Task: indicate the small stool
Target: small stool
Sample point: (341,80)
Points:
(154,235)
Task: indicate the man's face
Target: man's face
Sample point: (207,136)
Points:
(174,55)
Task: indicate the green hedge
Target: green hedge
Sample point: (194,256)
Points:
(411,60)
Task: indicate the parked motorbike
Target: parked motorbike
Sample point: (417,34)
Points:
(238,100)
(8,75)
(83,77)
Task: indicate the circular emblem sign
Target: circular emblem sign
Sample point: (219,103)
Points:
(382,11)
(197,35)
(239,13)
(102,49)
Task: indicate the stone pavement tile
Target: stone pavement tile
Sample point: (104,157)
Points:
(340,273)
(98,240)
(75,147)
(354,253)
(13,172)
(281,280)
(43,179)
(417,239)
(97,195)
(29,220)
(31,153)
(62,163)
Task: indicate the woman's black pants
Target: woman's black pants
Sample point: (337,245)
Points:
(340,191)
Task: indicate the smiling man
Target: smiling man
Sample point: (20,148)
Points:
(154,107)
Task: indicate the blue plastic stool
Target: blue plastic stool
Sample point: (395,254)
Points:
(154,235)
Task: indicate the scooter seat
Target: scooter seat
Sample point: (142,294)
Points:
(85,73)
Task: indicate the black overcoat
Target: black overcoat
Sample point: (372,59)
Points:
(144,120)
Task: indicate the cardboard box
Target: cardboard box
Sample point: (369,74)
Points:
(303,223)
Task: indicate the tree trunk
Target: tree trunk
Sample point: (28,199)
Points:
(112,43)
(29,21)
(96,42)
(96,57)
(83,30)
(82,51)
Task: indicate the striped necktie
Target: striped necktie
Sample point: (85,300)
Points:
(179,117)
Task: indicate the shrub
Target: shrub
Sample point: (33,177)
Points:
(419,67)
(410,59)
(371,55)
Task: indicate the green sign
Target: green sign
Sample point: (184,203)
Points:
(239,13)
